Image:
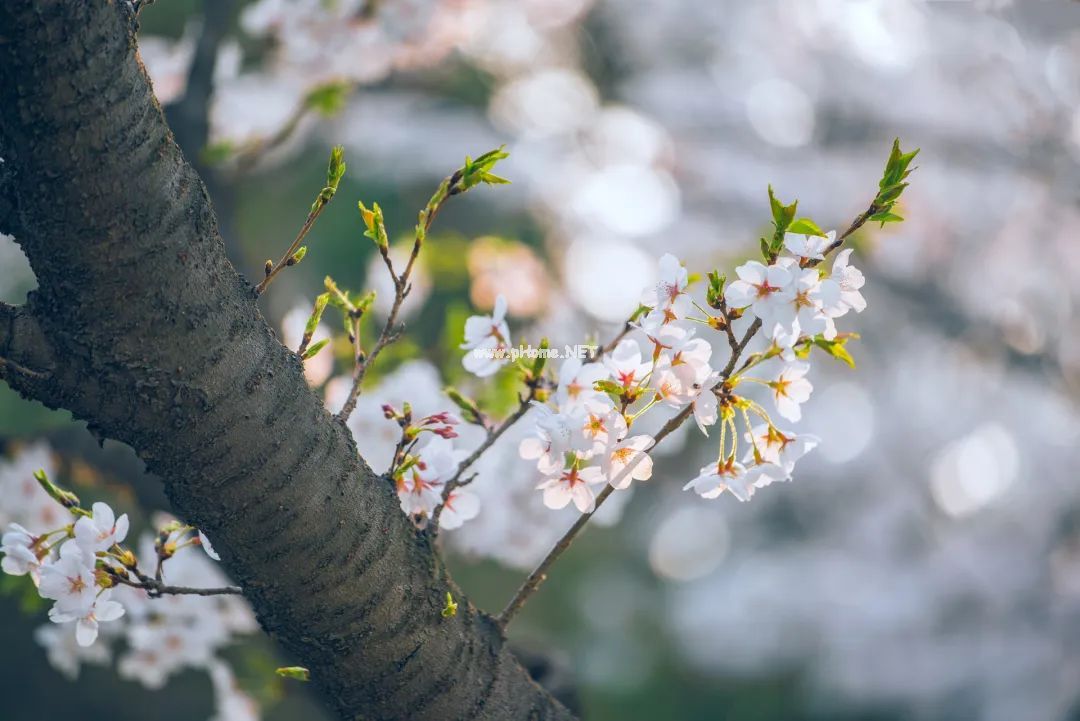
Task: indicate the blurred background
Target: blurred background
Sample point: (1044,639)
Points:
(924,565)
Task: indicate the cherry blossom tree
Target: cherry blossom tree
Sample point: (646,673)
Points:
(141,327)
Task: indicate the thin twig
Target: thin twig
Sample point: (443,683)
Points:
(859,222)
(157,588)
(284,261)
(539,574)
(493,435)
(390,331)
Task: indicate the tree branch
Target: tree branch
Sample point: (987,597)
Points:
(25,358)
(158,343)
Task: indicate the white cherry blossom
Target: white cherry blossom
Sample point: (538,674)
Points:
(419,494)
(706,405)
(102,610)
(556,435)
(800,310)
(626,365)
(720,476)
(20,557)
(675,386)
(809,247)
(69,581)
(602,428)
(572,484)
(840,291)
(694,353)
(151,667)
(205,543)
(576,390)
(791,389)
(420,487)
(461,505)
(487,337)
(764,289)
(782,448)
(627,460)
(666,337)
(668,297)
(102,531)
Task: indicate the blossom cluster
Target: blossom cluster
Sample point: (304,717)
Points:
(76,558)
(584,435)
(420,483)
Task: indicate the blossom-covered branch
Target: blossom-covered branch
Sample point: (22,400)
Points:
(78,564)
(791,300)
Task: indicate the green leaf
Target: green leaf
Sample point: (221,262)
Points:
(373,221)
(335,169)
(540,361)
(638,313)
(492,179)
(298,673)
(67,499)
(450,609)
(714,294)
(338,298)
(315,348)
(836,348)
(892,185)
(886,217)
(329,99)
(478,171)
(805,226)
(782,214)
(316,315)
(297,256)
(470,411)
(364,304)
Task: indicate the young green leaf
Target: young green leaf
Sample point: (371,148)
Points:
(714,294)
(805,226)
(313,350)
(450,609)
(470,411)
(298,673)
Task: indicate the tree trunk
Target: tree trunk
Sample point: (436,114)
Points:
(141,327)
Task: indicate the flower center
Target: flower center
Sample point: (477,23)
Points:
(76,584)
(765,289)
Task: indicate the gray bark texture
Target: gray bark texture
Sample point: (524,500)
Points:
(142,328)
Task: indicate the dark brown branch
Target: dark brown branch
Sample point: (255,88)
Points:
(25,356)
(154,339)
(158,588)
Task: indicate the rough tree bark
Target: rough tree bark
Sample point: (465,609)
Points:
(141,327)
